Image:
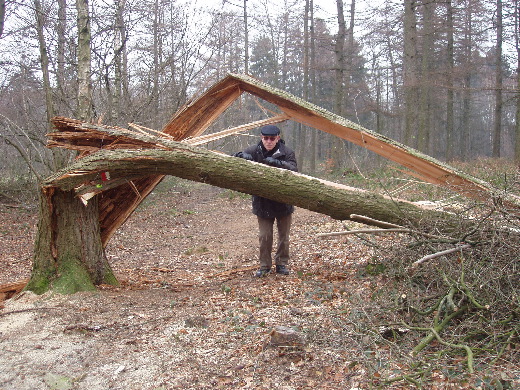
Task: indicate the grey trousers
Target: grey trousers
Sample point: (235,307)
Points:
(266,227)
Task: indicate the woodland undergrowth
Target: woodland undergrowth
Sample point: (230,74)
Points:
(455,315)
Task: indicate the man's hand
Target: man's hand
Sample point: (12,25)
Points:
(245,156)
(273,162)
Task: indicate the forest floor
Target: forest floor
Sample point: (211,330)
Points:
(190,315)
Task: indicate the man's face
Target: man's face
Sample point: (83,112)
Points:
(270,141)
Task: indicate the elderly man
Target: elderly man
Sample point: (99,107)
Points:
(271,150)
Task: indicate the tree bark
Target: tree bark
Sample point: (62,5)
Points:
(85,106)
(450,54)
(410,72)
(341,87)
(497,130)
(425,89)
(68,255)
(517,48)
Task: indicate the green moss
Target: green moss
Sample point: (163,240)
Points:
(110,278)
(73,277)
(39,283)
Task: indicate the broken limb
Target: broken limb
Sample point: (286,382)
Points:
(367,231)
(197,164)
(439,254)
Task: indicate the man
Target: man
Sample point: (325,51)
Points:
(271,150)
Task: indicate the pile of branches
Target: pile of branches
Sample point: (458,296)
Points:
(453,299)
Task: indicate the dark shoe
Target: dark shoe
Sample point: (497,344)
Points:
(282,269)
(262,272)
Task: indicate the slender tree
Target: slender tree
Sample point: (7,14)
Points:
(410,74)
(85,108)
(497,128)
(341,85)
(425,90)
(44,60)
(517,47)
(467,90)
(450,61)
(2,16)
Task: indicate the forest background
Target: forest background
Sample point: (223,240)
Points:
(440,76)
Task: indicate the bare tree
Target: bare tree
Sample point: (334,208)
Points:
(410,73)
(340,95)
(85,107)
(517,47)
(425,90)
(450,60)
(497,128)
(2,16)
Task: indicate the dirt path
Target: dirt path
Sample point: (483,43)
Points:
(189,314)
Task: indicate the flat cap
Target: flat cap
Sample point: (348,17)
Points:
(270,130)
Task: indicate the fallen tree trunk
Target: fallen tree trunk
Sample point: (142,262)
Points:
(69,254)
(85,177)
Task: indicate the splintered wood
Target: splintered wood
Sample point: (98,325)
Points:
(117,204)
(10,289)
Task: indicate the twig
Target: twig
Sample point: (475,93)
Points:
(428,339)
(375,222)
(469,351)
(439,254)
(409,378)
(27,310)
(230,272)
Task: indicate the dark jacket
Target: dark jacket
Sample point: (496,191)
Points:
(263,207)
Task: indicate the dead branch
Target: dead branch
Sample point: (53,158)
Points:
(367,231)
(439,254)
(373,222)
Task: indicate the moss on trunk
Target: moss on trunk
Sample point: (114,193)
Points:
(68,255)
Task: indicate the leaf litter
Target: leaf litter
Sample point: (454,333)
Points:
(189,314)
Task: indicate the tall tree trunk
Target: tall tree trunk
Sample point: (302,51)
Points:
(44,60)
(157,43)
(497,128)
(85,109)
(246,40)
(119,54)
(59,157)
(69,254)
(423,131)
(466,93)
(301,139)
(61,29)
(312,87)
(449,80)
(339,83)
(410,72)
(517,46)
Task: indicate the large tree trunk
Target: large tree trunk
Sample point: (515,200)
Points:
(197,164)
(68,255)
(68,252)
